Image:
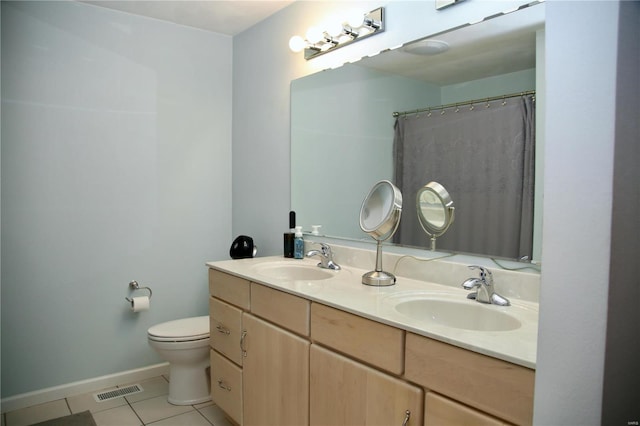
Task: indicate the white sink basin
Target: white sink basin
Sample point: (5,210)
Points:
(286,271)
(466,314)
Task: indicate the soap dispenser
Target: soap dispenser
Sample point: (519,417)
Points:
(298,244)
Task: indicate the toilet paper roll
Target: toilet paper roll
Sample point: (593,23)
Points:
(139,304)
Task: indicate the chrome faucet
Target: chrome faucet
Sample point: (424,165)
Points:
(484,286)
(326,257)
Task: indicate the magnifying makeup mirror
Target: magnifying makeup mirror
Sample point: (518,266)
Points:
(379,217)
(435,210)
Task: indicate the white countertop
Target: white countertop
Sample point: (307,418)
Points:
(345,291)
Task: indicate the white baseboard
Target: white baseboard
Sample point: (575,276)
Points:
(84,386)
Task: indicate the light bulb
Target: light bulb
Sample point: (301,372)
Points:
(314,35)
(355,18)
(334,28)
(297,43)
(344,38)
(364,31)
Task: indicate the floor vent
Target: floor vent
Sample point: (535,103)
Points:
(117,393)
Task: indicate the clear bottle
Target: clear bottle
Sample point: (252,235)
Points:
(298,244)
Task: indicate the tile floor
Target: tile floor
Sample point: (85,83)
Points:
(149,407)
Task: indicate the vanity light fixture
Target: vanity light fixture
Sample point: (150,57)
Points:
(338,33)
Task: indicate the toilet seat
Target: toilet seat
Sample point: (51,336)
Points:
(182,330)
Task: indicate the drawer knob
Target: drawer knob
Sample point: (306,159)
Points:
(223,385)
(222,329)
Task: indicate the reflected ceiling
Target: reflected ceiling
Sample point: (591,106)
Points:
(492,47)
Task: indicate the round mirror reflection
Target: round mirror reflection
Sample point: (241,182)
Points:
(435,210)
(432,209)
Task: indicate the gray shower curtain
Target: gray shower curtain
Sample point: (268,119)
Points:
(484,157)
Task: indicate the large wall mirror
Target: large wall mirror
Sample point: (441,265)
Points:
(342,123)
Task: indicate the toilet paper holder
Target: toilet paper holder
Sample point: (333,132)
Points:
(135,286)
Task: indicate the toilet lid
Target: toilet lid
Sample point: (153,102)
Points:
(183,329)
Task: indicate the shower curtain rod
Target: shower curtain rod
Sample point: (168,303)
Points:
(458,104)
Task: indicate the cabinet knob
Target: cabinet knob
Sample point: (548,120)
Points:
(242,348)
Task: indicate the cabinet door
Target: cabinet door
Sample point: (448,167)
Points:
(345,392)
(275,375)
(441,411)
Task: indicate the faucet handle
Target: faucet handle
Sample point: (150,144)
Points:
(327,258)
(326,249)
(485,274)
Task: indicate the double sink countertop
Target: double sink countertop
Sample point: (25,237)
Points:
(441,312)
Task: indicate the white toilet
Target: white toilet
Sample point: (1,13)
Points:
(184,343)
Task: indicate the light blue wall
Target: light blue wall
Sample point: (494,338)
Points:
(578,246)
(116,165)
(514,82)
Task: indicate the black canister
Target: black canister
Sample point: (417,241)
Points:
(242,248)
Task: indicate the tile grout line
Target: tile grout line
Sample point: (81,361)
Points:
(205,417)
(134,411)
(129,403)
(66,401)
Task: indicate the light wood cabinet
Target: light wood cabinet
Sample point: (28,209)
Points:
(345,392)
(226,386)
(225,329)
(488,384)
(441,411)
(231,289)
(376,344)
(280,359)
(283,309)
(275,375)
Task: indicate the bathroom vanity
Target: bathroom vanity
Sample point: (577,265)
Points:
(292,344)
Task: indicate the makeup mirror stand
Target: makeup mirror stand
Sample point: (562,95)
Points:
(380,217)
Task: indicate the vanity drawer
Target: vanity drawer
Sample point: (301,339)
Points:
(283,309)
(372,342)
(226,386)
(229,288)
(497,387)
(225,329)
